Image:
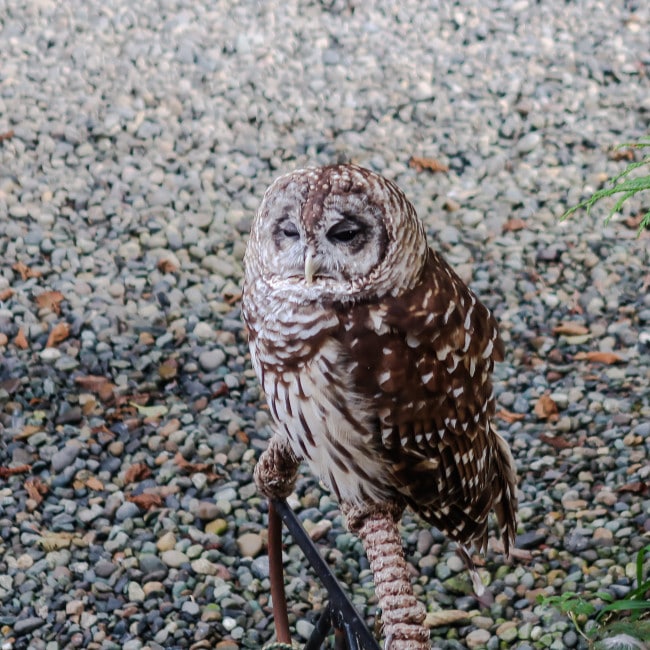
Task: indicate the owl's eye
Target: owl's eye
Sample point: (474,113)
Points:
(345,231)
(289,230)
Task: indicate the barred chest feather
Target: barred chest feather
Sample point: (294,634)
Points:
(315,407)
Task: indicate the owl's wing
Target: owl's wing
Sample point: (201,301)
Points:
(424,360)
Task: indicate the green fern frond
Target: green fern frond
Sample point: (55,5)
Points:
(621,184)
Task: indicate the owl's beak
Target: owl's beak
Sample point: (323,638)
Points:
(310,268)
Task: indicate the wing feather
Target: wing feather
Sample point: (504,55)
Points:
(424,360)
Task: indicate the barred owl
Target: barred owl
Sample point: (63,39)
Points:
(375,357)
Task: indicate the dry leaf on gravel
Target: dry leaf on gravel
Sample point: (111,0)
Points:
(21,340)
(145,501)
(36,489)
(509,416)
(557,442)
(25,271)
(571,328)
(168,369)
(28,431)
(10,471)
(165,265)
(445,617)
(607,358)
(50,300)
(430,164)
(546,408)
(190,467)
(50,541)
(96,384)
(5,294)
(638,487)
(94,483)
(59,333)
(151,412)
(137,472)
(514,224)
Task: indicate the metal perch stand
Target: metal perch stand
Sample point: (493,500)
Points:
(350,632)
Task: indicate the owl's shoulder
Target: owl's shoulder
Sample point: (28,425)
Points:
(439,312)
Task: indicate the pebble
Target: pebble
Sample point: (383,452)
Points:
(27,624)
(249,544)
(65,457)
(477,638)
(174,558)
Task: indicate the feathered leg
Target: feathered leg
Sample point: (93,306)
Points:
(401,614)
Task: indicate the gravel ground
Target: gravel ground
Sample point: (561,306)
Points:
(136,140)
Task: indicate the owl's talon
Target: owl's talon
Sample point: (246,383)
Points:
(276,471)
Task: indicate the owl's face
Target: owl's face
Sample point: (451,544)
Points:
(335,232)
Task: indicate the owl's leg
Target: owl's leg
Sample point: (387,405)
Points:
(275,476)
(402,615)
(276,471)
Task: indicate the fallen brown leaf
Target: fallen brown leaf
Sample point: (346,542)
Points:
(638,487)
(25,271)
(50,300)
(571,328)
(556,441)
(5,472)
(21,340)
(622,154)
(59,333)
(97,384)
(545,408)
(5,294)
(94,483)
(634,222)
(36,489)
(145,501)
(166,265)
(190,467)
(28,431)
(137,472)
(430,164)
(91,382)
(146,338)
(513,225)
(607,358)
(168,369)
(509,416)
(232,298)
(6,135)
(55,541)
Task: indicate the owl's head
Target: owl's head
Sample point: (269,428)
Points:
(339,232)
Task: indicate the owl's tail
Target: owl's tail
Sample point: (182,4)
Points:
(505,493)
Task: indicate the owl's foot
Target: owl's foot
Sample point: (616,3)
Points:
(276,471)
(402,615)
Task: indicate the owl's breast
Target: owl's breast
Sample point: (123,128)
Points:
(316,407)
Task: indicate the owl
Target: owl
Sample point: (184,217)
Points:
(375,359)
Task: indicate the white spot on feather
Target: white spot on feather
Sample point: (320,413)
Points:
(384,377)
(443,352)
(412,341)
(468,318)
(449,312)
(488,349)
